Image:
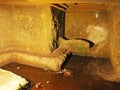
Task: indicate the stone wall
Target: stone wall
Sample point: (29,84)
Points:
(77,22)
(28,28)
(5,26)
(59,21)
(78,25)
(114,38)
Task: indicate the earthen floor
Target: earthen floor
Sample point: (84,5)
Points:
(82,75)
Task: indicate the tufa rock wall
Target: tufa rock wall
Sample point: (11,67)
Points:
(114,39)
(77,24)
(27,28)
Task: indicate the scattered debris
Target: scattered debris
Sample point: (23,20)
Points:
(47,70)
(39,85)
(60,72)
(65,72)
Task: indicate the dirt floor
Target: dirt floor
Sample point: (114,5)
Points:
(80,73)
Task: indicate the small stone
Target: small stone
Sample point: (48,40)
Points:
(60,72)
(47,82)
(18,67)
(39,85)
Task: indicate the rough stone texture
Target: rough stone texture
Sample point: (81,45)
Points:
(5,26)
(98,34)
(58,17)
(52,61)
(76,47)
(28,36)
(113,46)
(77,24)
(28,28)
(114,37)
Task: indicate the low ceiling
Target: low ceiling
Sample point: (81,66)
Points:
(91,6)
(68,5)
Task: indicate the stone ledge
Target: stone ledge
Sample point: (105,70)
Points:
(52,61)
